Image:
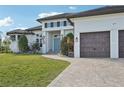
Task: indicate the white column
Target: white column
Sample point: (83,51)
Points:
(61,34)
(47,42)
(44,49)
(17,47)
(114,53)
(77,45)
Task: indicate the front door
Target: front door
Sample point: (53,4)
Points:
(56,44)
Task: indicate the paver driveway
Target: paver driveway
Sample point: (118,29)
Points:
(87,72)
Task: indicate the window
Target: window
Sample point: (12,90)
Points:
(13,38)
(51,24)
(64,23)
(40,42)
(46,25)
(58,24)
(18,37)
(37,35)
(41,35)
(37,40)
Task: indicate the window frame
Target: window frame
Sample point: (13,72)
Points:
(58,24)
(46,25)
(64,23)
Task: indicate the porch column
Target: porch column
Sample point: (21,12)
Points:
(61,34)
(16,44)
(44,49)
(114,53)
(76,45)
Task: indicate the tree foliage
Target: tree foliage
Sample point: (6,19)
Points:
(35,47)
(23,43)
(67,44)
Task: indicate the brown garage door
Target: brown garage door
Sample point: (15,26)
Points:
(121,44)
(96,44)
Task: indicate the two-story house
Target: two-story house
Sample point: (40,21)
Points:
(54,28)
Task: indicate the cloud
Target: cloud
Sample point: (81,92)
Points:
(6,21)
(42,15)
(72,7)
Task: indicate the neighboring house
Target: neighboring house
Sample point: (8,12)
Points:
(97,33)
(33,35)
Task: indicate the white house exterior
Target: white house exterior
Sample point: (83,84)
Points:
(110,22)
(97,33)
(106,22)
(53,34)
(33,35)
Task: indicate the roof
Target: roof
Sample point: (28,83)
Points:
(59,16)
(34,28)
(98,11)
(19,31)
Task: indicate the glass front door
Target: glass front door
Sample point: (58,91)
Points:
(56,44)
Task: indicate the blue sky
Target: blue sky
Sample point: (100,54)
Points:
(24,16)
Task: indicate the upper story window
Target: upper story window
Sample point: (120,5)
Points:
(46,25)
(37,35)
(51,24)
(37,40)
(41,35)
(55,24)
(13,37)
(58,24)
(19,37)
(64,23)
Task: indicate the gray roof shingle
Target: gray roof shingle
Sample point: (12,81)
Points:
(34,28)
(19,31)
(59,16)
(98,11)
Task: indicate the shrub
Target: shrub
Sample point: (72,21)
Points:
(64,47)
(23,43)
(4,46)
(35,47)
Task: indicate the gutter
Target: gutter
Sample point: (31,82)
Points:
(72,23)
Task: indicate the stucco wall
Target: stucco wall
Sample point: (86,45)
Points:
(110,22)
(68,31)
(14,46)
(31,40)
(56,28)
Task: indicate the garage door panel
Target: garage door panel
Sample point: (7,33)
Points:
(96,44)
(121,44)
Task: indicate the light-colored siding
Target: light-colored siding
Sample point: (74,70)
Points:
(110,22)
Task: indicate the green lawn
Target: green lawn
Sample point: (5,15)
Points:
(28,70)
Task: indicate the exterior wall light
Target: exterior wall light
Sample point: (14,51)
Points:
(76,39)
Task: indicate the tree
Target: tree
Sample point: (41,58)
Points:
(64,46)
(70,42)
(6,43)
(23,43)
(67,44)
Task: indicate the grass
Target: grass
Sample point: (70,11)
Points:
(28,70)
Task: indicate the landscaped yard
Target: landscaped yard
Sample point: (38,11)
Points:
(28,70)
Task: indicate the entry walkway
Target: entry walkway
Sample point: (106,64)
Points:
(90,72)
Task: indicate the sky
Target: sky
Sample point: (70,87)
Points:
(24,16)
